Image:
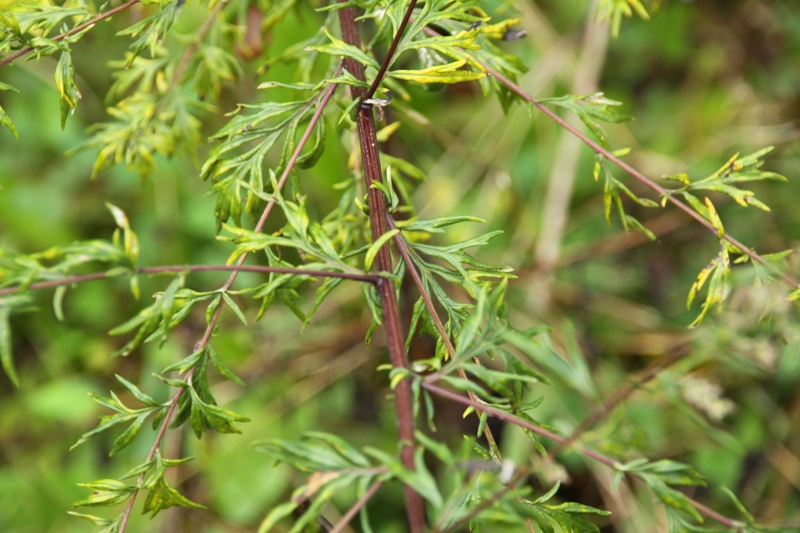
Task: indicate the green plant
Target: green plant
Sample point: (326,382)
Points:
(252,169)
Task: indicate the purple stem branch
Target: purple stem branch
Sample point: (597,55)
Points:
(362,501)
(369,278)
(508,417)
(73,31)
(390,53)
(371,164)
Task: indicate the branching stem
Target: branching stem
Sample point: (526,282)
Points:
(513,87)
(390,53)
(752,254)
(371,164)
(73,31)
(508,417)
(402,245)
(368,278)
(323,101)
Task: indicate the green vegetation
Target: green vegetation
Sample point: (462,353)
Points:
(343,266)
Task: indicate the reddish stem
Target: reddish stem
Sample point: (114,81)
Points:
(73,31)
(362,501)
(508,417)
(390,53)
(633,172)
(415,507)
(369,278)
(324,99)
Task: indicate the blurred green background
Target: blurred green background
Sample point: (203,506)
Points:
(704,79)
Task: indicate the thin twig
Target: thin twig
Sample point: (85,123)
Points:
(635,173)
(390,53)
(341,524)
(369,278)
(73,31)
(323,101)
(508,417)
(371,164)
(159,437)
(627,168)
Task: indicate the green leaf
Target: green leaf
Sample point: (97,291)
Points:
(151,31)
(441,451)
(590,108)
(420,479)
(5,120)
(65,83)
(310,158)
(435,225)
(138,394)
(339,48)
(162,496)
(234,307)
(222,368)
(376,246)
(718,272)
(739,505)
(5,344)
(672,472)
(96,520)
(105,493)
(205,415)
(778,256)
(58,302)
(322,292)
(672,497)
(127,436)
(449,73)
(340,446)
(281,511)
(614,10)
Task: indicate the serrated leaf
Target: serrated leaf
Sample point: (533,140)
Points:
(672,497)
(96,520)
(322,292)
(435,225)
(449,73)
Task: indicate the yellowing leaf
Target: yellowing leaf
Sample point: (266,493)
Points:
(448,73)
(713,217)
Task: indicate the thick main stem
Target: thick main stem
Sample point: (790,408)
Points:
(371,163)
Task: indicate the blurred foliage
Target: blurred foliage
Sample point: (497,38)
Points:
(704,79)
